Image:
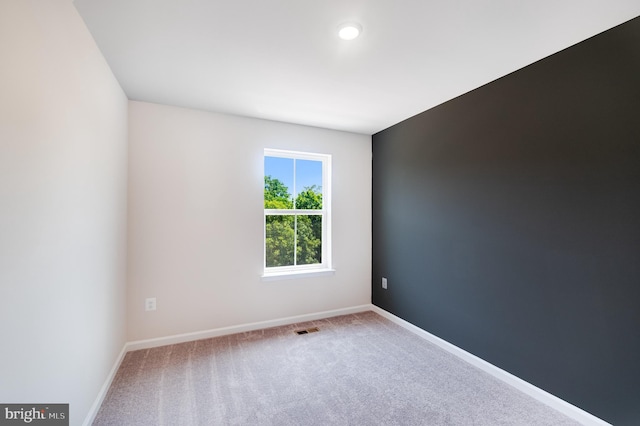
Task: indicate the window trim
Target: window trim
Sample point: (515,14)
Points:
(295,271)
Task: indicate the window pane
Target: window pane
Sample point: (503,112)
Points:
(308,184)
(309,239)
(279,244)
(278,183)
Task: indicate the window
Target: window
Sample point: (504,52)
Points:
(297,222)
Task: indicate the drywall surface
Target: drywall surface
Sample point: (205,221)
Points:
(196,221)
(507,222)
(63,165)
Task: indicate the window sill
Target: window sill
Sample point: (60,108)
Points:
(277,276)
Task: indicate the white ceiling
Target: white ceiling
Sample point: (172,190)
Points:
(282,59)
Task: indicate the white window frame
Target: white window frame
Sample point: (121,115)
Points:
(293,271)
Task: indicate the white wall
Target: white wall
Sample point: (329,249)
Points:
(195,217)
(63,159)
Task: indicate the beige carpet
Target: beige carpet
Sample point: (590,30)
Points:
(357,369)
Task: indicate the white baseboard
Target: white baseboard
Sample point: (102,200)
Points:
(206,334)
(93,411)
(545,397)
(216,332)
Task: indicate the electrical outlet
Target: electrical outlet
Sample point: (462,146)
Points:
(384,283)
(150,304)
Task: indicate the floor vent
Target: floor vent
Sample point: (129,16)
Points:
(307,331)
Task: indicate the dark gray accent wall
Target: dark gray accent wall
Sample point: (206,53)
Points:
(507,222)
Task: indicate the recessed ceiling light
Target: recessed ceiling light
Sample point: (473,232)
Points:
(349,31)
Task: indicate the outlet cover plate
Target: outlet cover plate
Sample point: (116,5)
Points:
(150,304)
